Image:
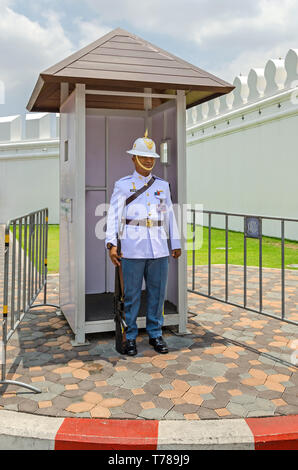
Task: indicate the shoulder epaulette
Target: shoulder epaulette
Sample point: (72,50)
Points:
(125,178)
(159,178)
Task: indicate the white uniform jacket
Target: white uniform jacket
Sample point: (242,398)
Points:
(141,241)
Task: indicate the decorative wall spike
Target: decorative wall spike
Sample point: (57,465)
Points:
(291,65)
(241,91)
(38,126)
(256,83)
(275,75)
(205,110)
(11,128)
(223,104)
(214,106)
(194,114)
(230,100)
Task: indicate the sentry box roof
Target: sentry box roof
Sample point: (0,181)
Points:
(122,61)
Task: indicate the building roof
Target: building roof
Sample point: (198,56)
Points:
(122,61)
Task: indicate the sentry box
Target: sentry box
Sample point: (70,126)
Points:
(107,94)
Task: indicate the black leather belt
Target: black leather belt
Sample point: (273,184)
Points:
(144,222)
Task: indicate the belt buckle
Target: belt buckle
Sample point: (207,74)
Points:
(149,223)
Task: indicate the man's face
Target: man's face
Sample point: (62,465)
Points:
(147,162)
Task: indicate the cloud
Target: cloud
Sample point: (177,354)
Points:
(224,37)
(24,42)
(26,49)
(181,20)
(247,60)
(27,46)
(268,36)
(89,31)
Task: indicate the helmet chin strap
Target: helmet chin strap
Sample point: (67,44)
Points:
(144,167)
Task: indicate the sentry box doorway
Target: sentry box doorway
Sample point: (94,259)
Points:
(107,94)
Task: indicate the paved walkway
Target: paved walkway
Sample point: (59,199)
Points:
(228,367)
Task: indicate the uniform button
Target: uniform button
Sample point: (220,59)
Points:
(147,194)
(148,203)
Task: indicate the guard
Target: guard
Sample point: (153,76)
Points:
(141,215)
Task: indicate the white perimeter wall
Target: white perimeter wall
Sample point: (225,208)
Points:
(29,165)
(242,148)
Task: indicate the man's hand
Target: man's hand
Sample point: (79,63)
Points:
(176,253)
(114,256)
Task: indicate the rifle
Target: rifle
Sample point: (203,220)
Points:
(120,324)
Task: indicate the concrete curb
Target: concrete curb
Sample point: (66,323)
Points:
(27,431)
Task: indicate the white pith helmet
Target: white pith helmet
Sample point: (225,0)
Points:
(144,147)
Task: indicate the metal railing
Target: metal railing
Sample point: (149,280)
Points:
(25,275)
(252,228)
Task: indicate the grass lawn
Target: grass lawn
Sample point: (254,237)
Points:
(53,247)
(271,249)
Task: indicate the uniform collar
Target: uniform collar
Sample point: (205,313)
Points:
(139,177)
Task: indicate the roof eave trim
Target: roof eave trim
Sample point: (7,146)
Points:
(131,82)
(36,91)
(210,97)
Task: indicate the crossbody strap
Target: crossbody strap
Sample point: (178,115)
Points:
(139,191)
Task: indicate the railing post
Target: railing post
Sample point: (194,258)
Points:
(282,269)
(19,269)
(40,260)
(29,261)
(46,255)
(25,265)
(5,301)
(36,250)
(209,253)
(13,277)
(260,267)
(193,247)
(244,268)
(227,259)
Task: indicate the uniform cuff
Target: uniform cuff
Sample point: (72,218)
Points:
(112,240)
(175,245)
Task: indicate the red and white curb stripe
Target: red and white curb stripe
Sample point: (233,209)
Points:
(27,431)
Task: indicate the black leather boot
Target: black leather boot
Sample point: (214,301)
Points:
(130,347)
(159,345)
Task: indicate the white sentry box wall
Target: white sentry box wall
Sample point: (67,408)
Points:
(97,140)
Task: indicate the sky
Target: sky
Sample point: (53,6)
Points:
(224,37)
